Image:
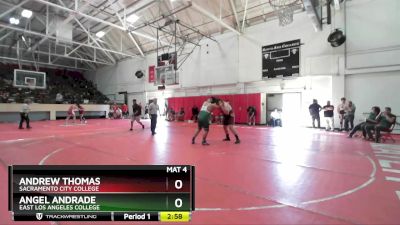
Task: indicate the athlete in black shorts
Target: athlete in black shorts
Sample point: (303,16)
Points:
(228,120)
(137,112)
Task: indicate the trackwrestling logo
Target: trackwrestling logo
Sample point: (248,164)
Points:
(39,216)
(47,217)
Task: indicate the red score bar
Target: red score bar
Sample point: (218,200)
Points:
(102,181)
(126,184)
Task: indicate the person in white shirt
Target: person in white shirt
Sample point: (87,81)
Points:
(153,110)
(341,109)
(118,113)
(25,109)
(59,98)
(276,118)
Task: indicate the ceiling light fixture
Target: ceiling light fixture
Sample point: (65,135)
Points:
(26,13)
(100,34)
(14,21)
(132,18)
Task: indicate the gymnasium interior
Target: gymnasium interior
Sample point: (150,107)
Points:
(306,89)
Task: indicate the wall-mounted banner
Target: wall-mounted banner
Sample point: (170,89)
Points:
(281,60)
(152,71)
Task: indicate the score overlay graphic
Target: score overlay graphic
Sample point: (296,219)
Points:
(101,193)
(281,60)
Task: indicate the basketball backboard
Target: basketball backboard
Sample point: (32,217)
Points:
(29,79)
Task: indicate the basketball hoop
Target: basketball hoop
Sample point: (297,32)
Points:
(284,10)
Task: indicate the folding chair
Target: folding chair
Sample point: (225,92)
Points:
(387,135)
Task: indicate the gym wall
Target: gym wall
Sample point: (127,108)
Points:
(238,102)
(233,65)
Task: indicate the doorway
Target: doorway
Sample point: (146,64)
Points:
(291,109)
(288,104)
(274,101)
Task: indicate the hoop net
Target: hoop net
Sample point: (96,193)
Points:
(31,83)
(284,10)
(31,87)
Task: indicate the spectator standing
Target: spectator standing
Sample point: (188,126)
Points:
(328,114)
(350,110)
(314,109)
(251,114)
(342,111)
(153,111)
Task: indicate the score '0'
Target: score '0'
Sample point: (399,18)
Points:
(178,184)
(178,203)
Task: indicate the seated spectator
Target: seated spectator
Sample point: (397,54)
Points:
(125,111)
(181,115)
(111,112)
(385,121)
(60,87)
(276,118)
(115,109)
(167,114)
(118,113)
(170,114)
(59,98)
(369,121)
